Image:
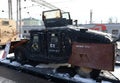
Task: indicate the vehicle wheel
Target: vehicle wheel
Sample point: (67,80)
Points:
(20,54)
(84,72)
(94,74)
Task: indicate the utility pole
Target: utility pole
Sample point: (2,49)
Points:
(19,26)
(91,16)
(20,19)
(10,9)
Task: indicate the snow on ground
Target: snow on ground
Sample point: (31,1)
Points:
(15,63)
(9,55)
(77,78)
(88,80)
(27,65)
(51,65)
(117,72)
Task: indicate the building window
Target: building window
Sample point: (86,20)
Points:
(25,31)
(6,23)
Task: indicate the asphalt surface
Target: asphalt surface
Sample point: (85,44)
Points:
(8,75)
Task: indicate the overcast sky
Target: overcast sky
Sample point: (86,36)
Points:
(79,9)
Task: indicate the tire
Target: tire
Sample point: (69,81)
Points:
(84,72)
(20,55)
(95,74)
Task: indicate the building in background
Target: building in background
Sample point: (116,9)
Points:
(31,24)
(112,28)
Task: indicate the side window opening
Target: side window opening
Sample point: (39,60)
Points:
(5,23)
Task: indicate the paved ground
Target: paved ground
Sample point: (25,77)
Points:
(12,76)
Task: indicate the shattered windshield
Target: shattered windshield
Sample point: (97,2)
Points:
(52,14)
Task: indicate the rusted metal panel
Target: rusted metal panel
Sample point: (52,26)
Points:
(97,56)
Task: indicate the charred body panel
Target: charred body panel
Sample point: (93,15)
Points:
(89,36)
(58,43)
(49,46)
(36,47)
